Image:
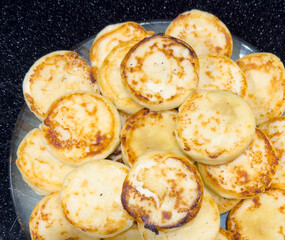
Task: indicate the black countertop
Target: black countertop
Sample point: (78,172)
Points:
(31,29)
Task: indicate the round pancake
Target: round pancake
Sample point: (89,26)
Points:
(81,126)
(266,84)
(275,131)
(203,31)
(91,198)
(110,37)
(205,226)
(246,176)
(130,234)
(218,72)
(147,130)
(160,72)
(110,81)
(224,235)
(224,204)
(47,222)
(262,217)
(39,169)
(52,76)
(210,127)
(162,190)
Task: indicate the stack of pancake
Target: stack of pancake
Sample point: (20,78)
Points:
(157,138)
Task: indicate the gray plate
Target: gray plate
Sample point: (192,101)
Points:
(24,198)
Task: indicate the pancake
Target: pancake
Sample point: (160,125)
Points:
(48,223)
(211,129)
(110,37)
(266,84)
(147,130)
(130,234)
(275,131)
(81,126)
(160,72)
(224,235)
(39,169)
(262,217)
(162,191)
(91,198)
(218,72)
(205,226)
(203,31)
(246,176)
(54,75)
(110,81)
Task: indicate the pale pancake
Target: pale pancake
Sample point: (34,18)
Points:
(224,235)
(224,204)
(205,226)
(130,234)
(266,84)
(203,31)
(162,190)
(39,169)
(91,198)
(214,127)
(160,72)
(147,130)
(246,176)
(275,131)
(81,126)
(218,72)
(261,218)
(110,80)
(47,222)
(110,37)
(52,76)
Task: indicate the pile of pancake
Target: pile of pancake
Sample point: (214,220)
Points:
(157,138)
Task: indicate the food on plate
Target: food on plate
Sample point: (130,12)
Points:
(218,72)
(48,222)
(262,217)
(210,127)
(110,37)
(275,131)
(203,31)
(205,226)
(148,130)
(81,126)
(130,234)
(39,169)
(162,191)
(110,81)
(266,84)
(52,76)
(224,235)
(246,176)
(91,198)
(160,72)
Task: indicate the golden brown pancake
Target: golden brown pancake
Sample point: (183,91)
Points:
(81,126)
(54,75)
(224,235)
(130,234)
(160,72)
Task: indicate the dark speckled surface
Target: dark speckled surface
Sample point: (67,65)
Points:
(31,29)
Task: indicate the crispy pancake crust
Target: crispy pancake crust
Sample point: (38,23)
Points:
(147,130)
(81,126)
(160,72)
(218,72)
(203,31)
(224,235)
(266,84)
(39,169)
(163,191)
(210,127)
(262,217)
(205,226)
(246,176)
(91,198)
(54,75)
(110,37)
